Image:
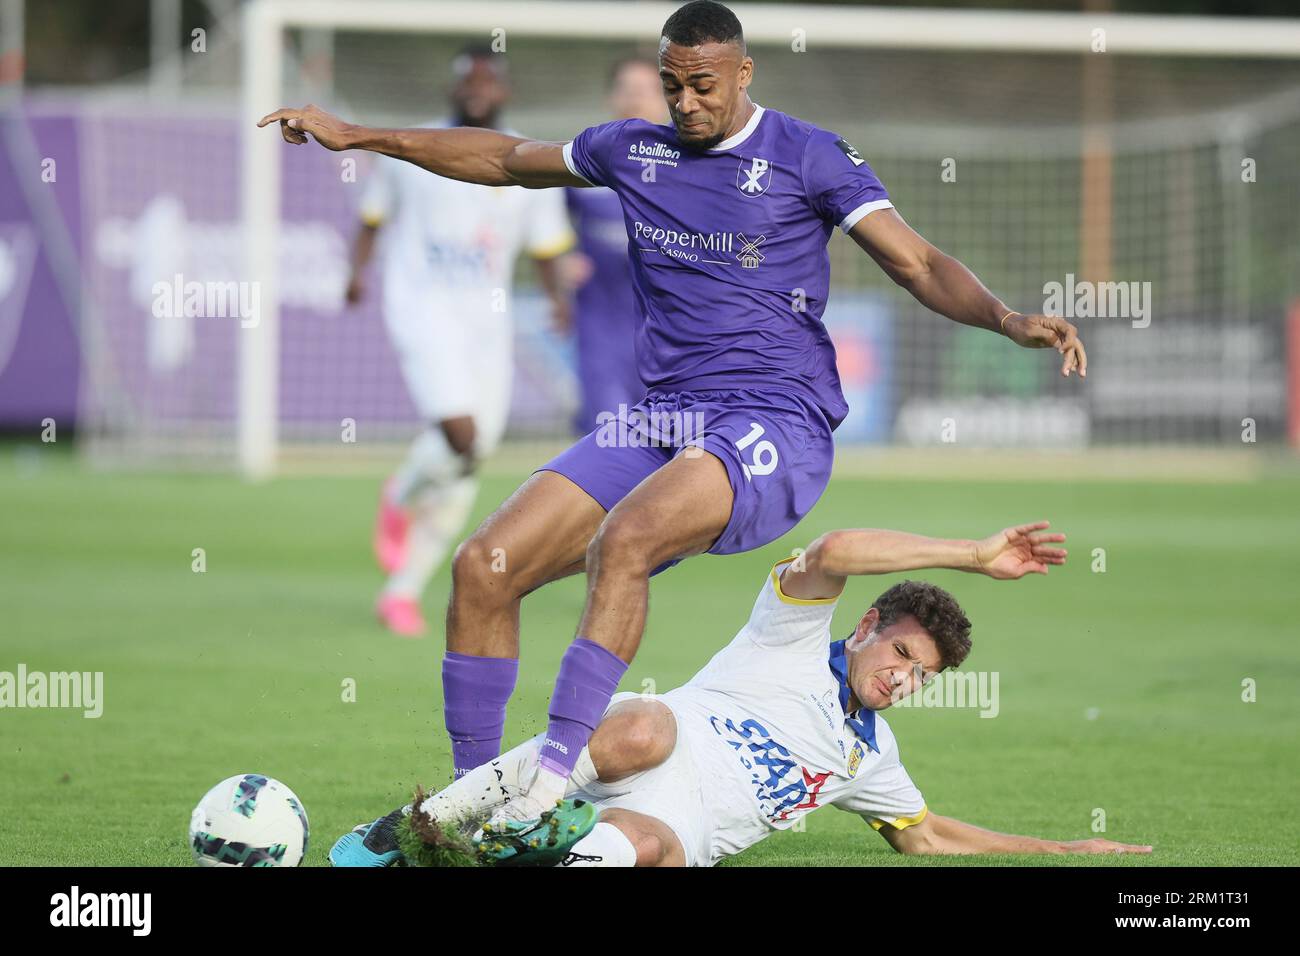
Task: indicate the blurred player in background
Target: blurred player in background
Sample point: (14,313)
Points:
(447,260)
(605,313)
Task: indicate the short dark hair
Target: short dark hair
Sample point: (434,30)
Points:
(935,610)
(703,21)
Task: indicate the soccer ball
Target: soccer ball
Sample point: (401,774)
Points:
(249,820)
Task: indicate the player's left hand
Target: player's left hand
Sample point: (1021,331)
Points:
(1098,845)
(1049,332)
(1014,552)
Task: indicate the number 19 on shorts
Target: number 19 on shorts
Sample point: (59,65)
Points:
(763,459)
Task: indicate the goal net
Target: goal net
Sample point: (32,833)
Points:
(1132,173)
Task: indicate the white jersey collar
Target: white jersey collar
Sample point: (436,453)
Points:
(731,142)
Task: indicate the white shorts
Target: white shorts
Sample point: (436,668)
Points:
(456,365)
(698,792)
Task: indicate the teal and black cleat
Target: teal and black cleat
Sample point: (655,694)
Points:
(370,844)
(545,841)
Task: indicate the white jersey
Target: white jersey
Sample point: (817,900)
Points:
(449,247)
(767,730)
(449,251)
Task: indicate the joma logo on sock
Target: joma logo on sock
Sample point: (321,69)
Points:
(102,909)
(557,745)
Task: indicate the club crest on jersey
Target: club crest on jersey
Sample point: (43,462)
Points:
(855,758)
(754,176)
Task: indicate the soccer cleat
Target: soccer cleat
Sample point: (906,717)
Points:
(370,844)
(392,524)
(543,841)
(401,615)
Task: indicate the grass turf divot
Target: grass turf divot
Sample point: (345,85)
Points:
(426,842)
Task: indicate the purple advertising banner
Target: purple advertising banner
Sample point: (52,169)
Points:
(40,208)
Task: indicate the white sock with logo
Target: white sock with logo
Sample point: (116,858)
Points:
(486,787)
(605,845)
(495,783)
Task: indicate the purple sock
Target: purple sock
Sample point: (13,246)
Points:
(475,691)
(588,677)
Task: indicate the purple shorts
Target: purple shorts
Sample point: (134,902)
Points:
(776,446)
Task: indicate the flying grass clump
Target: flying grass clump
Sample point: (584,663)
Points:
(425,841)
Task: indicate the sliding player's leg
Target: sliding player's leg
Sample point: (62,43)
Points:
(627,838)
(635,736)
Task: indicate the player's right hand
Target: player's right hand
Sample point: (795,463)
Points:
(296,124)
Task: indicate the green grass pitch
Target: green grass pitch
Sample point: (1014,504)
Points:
(1120,691)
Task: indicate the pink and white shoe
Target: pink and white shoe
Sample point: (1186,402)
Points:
(401,615)
(392,524)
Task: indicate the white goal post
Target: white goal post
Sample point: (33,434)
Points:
(266,21)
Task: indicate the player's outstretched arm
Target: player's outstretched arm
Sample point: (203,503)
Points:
(936,835)
(944,285)
(469,154)
(821,571)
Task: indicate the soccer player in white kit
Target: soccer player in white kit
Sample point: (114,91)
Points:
(782,721)
(448,255)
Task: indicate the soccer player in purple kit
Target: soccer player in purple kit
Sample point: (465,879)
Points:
(728,212)
(605,310)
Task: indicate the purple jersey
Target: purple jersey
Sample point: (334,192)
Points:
(728,248)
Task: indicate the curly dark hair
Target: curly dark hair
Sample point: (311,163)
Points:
(703,21)
(935,609)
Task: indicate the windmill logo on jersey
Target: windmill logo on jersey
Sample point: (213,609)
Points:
(754,176)
(749,256)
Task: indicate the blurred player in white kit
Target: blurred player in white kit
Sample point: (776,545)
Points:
(447,260)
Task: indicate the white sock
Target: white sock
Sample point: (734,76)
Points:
(429,461)
(584,773)
(605,845)
(486,787)
(495,783)
(438,516)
